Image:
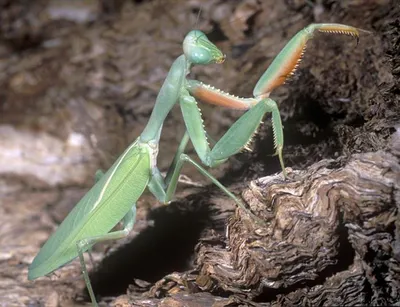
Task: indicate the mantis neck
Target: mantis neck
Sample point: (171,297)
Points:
(167,97)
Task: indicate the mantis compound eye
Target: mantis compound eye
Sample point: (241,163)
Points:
(199,50)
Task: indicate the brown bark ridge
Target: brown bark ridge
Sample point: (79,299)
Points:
(331,238)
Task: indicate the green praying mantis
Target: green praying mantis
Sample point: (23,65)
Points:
(114,195)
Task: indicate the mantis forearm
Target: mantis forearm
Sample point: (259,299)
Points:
(287,61)
(237,137)
(211,95)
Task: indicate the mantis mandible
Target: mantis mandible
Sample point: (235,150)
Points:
(114,195)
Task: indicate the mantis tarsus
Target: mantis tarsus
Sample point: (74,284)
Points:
(113,197)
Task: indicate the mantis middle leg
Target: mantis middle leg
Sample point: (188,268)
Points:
(164,189)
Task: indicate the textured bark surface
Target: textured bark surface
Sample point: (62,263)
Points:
(77,84)
(330,237)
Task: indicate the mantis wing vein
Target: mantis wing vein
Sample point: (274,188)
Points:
(98,211)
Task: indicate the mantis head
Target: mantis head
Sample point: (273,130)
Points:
(199,50)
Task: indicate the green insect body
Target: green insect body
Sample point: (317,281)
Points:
(113,197)
(96,213)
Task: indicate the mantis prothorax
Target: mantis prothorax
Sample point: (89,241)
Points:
(113,197)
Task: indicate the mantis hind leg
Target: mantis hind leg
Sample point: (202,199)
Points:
(84,244)
(186,158)
(165,195)
(164,190)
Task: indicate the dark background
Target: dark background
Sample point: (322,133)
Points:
(78,81)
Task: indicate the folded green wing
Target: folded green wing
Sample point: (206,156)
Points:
(103,206)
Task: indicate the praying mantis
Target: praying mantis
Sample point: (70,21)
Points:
(113,197)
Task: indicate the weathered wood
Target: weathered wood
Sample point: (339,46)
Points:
(331,237)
